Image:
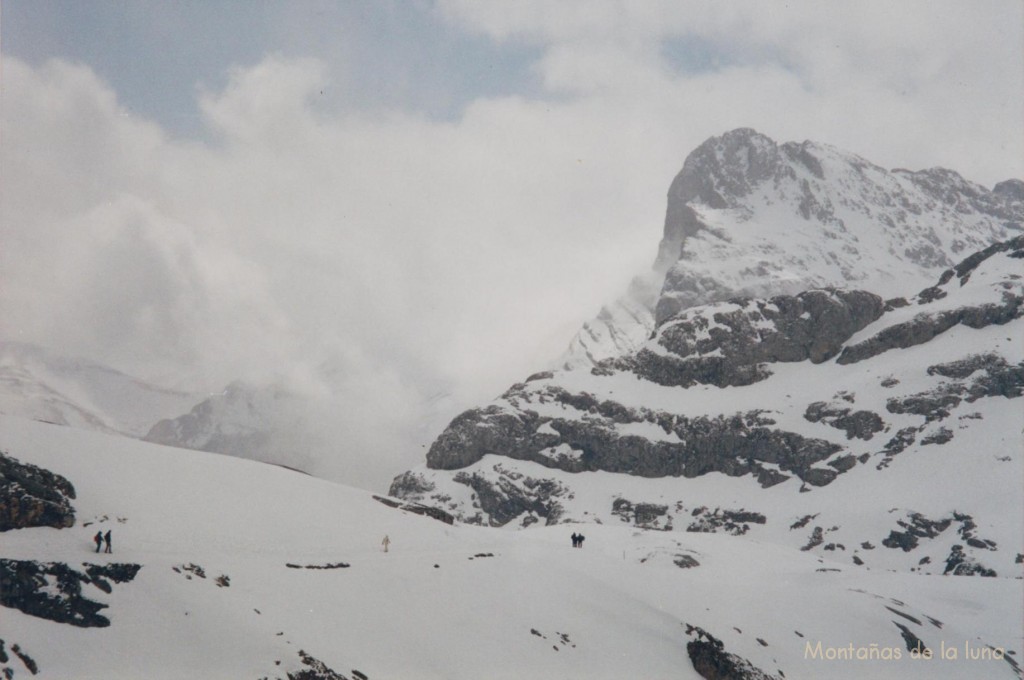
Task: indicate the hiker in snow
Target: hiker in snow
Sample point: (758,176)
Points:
(107,537)
(575,540)
(579,541)
(386,542)
(99,540)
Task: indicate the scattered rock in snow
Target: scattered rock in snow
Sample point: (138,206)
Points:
(735,522)
(862,424)
(53,590)
(709,658)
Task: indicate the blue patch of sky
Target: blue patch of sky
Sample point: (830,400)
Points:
(157,55)
(694,55)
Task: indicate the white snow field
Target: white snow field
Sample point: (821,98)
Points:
(451,601)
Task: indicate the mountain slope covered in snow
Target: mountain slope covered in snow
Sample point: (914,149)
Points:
(883,434)
(42,385)
(747,216)
(227,568)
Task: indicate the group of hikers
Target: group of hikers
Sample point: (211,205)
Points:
(100,538)
(577,540)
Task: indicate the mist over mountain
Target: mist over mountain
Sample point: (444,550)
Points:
(792,449)
(747,216)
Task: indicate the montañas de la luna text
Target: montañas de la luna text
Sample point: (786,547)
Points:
(876,652)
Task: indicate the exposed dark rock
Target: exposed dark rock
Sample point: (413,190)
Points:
(735,522)
(734,445)
(712,662)
(802,522)
(914,643)
(189,570)
(812,325)
(685,561)
(817,538)
(924,327)
(643,515)
(940,436)
(997,378)
(512,495)
(316,670)
(861,424)
(409,484)
(905,615)
(477,432)
(918,527)
(33,497)
(899,442)
(965,367)
(958,563)
(30,664)
(329,565)
(415,508)
(53,590)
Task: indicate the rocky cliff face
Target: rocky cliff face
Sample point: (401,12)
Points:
(784,395)
(33,497)
(747,216)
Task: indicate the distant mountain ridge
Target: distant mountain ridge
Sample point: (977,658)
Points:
(43,385)
(747,216)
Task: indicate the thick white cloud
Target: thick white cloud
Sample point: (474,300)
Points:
(917,83)
(375,259)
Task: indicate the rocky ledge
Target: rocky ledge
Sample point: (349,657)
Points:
(33,497)
(53,590)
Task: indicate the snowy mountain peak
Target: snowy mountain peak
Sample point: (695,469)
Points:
(747,216)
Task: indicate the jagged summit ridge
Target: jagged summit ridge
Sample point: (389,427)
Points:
(746,216)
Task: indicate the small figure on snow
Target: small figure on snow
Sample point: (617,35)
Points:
(575,540)
(579,541)
(107,537)
(98,538)
(386,542)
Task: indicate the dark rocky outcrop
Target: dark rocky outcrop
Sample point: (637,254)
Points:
(7,666)
(913,643)
(861,424)
(33,497)
(735,445)
(643,515)
(735,522)
(991,377)
(916,526)
(416,508)
(741,341)
(53,590)
(958,563)
(712,662)
(314,669)
(512,495)
(924,327)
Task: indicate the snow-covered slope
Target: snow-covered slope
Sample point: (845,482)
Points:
(748,216)
(886,435)
(40,384)
(245,570)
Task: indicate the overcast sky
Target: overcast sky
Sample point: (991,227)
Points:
(423,196)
